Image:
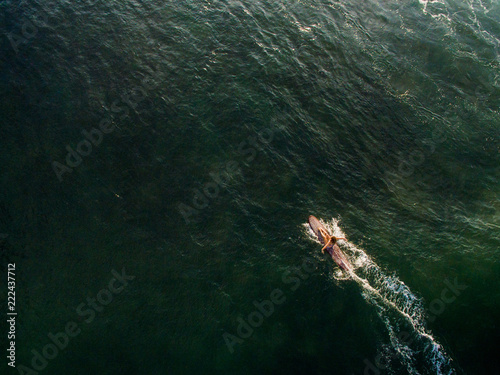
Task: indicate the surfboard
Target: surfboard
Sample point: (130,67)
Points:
(334,251)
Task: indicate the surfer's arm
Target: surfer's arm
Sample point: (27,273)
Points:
(327,244)
(341,238)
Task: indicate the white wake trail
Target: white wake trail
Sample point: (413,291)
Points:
(392,298)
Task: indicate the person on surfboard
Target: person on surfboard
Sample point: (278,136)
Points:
(329,240)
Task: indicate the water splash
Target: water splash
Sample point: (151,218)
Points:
(398,307)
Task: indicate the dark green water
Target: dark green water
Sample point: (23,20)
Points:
(222,126)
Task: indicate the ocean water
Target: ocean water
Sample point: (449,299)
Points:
(159,161)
